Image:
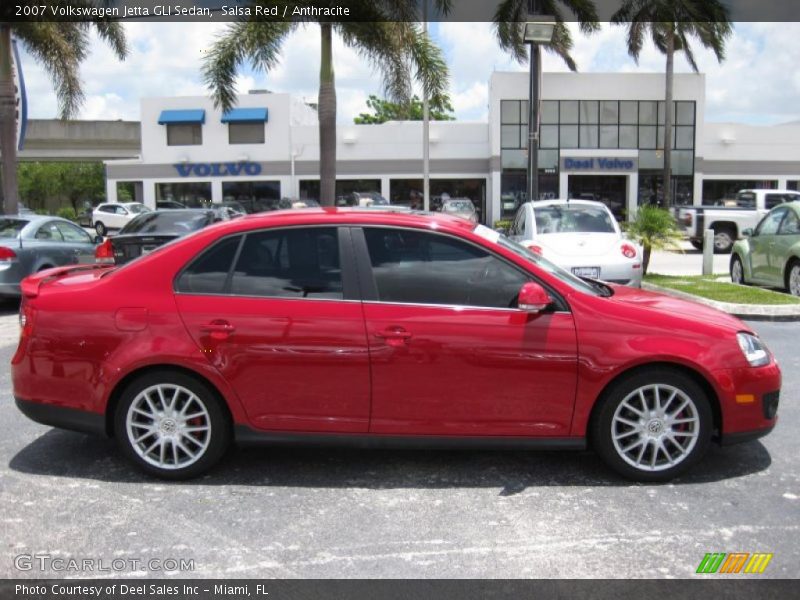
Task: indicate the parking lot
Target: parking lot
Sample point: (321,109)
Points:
(283,512)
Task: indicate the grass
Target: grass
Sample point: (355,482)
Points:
(707,286)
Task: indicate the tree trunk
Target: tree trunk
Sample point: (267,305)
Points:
(668,114)
(8,126)
(327,120)
(646,258)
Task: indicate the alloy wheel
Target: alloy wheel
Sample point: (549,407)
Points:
(794,280)
(737,275)
(655,427)
(168,426)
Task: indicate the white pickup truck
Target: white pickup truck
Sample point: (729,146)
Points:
(730,219)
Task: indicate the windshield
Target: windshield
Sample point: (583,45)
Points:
(457,206)
(10,228)
(137,208)
(175,222)
(573,219)
(565,276)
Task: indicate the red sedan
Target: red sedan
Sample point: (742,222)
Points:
(376,328)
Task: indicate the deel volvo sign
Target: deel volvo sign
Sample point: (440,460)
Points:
(216,169)
(599,164)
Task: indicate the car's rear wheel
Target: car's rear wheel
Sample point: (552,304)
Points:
(653,425)
(723,240)
(737,270)
(793,278)
(171,425)
(100,228)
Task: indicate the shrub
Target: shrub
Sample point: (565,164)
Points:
(67,212)
(655,229)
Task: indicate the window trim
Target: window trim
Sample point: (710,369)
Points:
(350,288)
(369,289)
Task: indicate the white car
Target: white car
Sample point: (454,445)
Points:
(581,236)
(115,215)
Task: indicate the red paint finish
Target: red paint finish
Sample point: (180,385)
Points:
(348,366)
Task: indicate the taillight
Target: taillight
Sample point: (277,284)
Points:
(26,317)
(104,253)
(7,253)
(628,250)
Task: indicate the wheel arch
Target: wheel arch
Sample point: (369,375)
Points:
(726,225)
(793,260)
(119,388)
(694,374)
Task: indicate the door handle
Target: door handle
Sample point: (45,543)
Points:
(393,336)
(219,329)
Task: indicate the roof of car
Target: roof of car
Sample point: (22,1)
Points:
(356,215)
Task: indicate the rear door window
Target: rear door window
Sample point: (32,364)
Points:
(208,274)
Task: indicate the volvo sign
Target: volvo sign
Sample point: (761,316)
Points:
(602,164)
(225,169)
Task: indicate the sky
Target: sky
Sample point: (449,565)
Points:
(758,83)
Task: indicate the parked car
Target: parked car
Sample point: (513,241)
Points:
(373,328)
(460,207)
(169,205)
(234,208)
(770,254)
(292,203)
(362,199)
(32,243)
(730,220)
(581,236)
(150,230)
(115,215)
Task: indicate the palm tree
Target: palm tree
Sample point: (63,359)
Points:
(670,24)
(511,13)
(386,34)
(60,47)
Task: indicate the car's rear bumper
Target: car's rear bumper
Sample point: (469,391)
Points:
(63,417)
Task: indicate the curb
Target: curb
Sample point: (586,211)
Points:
(753,312)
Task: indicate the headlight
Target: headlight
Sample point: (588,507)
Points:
(753,349)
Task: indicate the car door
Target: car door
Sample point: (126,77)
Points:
(80,244)
(276,312)
(788,235)
(50,249)
(761,245)
(450,352)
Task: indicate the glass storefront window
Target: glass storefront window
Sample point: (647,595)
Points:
(549,112)
(255,196)
(651,159)
(718,191)
(647,137)
(408,192)
(569,112)
(628,137)
(568,136)
(647,113)
(589,111)
(548,136)
(682,162)
(684,113)
(588,137)
(514,159)
(194,194)
(684,137)
(510,136)
(609,112)
(629,112)
(609,136)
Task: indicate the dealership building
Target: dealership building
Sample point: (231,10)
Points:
(601,137)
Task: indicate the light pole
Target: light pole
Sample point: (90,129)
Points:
(535,32)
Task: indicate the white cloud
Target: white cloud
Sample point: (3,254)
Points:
(759,82)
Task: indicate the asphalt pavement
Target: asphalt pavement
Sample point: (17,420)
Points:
(322,513)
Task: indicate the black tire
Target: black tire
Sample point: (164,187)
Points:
(696,245)
(724,237)
(737,270)
(216,440)
(793,277)
(100,228)
(605,424)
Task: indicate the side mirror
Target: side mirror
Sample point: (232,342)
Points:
(98,239)
(747,232)
(533,298)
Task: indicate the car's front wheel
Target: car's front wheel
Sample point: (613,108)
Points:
(653,425)
(171,425)
(100,228)
(793,278)
(737,270)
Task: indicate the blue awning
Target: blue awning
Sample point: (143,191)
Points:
(245,115)
(194,115)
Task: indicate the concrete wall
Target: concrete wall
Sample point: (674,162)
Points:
(53,139)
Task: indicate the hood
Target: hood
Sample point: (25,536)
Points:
(672,308)
(577,244)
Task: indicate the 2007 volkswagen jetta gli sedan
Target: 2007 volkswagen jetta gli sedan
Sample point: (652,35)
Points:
(371,327)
